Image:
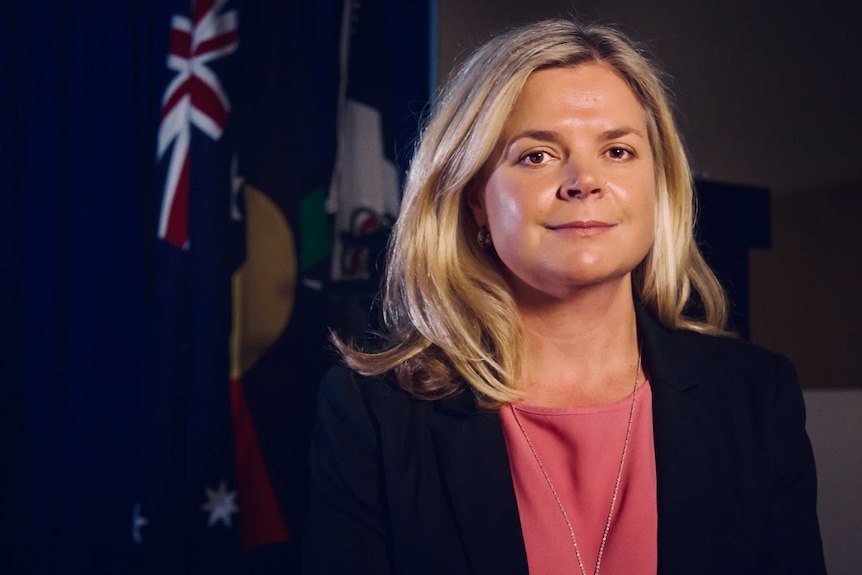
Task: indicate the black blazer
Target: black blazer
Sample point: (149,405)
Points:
(400,485)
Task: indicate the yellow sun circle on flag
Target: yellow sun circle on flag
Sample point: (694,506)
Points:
(264,287)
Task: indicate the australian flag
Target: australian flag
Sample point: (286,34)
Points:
(185,518)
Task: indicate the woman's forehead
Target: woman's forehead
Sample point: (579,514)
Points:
(587,93)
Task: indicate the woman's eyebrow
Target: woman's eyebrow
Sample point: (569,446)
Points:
(541,135)
(615,133)
(554,136)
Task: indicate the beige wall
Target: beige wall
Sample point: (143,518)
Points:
(768,94)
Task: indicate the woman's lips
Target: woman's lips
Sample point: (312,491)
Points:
(582,228)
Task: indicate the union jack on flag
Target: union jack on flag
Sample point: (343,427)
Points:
(194,97)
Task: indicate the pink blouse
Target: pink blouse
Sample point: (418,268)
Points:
(580,448)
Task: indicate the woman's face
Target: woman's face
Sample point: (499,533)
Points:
(569,193)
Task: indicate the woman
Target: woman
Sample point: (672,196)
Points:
(540,401)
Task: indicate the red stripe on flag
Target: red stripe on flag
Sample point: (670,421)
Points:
(207,101)
(180,43)
(177,95)
(221,41)
(200,9)
(260,519)
(177,231)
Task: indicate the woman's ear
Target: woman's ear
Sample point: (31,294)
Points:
(476,200)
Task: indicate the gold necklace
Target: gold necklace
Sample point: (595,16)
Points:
(616,483)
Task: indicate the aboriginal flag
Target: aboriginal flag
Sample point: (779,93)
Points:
(305,66)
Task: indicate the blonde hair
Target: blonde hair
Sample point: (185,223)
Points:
(449,318)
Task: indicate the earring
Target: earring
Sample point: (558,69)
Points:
(484,238)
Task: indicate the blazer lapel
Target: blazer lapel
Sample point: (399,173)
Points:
(681,427)
(474,465)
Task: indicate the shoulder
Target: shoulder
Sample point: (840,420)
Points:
(343,389)
(356,417)
(724,350)
(351,395)
(342,384)
(687,358)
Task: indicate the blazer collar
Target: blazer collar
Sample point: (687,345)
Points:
(665,355)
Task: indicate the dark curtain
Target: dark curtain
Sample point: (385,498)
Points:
(80,92)
(77,114)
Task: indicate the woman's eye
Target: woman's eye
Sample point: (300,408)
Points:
(619,153)
(535,158)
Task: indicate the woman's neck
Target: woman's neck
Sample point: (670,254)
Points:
(579,351)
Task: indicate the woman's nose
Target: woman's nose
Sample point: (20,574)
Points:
(581,182)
